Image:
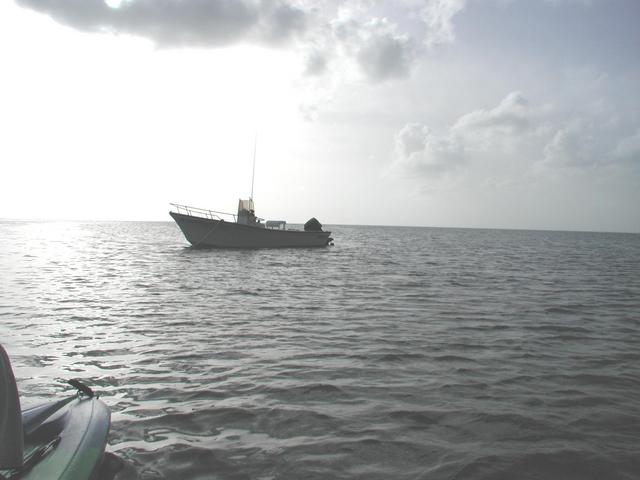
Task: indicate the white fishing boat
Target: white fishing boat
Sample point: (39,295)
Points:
(212,229)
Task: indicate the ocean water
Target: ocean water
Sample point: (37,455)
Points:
(399,353)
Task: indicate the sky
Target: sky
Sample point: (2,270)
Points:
(517,114)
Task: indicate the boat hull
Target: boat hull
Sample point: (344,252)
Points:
(209,233)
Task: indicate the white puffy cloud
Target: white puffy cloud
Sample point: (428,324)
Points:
(438,18)
(512,142)
(538,139)
(512,115)
(316,63)
(572,146)
(589,143)
(628,149)
(419,151)
(381,51)
(512,129)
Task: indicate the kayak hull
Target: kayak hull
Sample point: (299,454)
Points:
(75,429)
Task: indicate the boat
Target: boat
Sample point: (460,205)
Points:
(62,439)
(213,229)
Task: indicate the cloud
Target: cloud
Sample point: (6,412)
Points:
(572,146)
(359,33)
(316,63)
(421,152)
(587,143)
(513,136)
(382,52)
(514,143)
(510,127)
(512,115)
(438,15)
(628,149)
(171,23)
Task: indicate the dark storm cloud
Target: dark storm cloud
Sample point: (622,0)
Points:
(171,23)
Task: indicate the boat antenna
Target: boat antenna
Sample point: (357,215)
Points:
(253,175)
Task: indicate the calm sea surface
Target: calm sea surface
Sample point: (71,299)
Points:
(399,353)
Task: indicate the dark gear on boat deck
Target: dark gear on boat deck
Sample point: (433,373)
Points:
(313,225)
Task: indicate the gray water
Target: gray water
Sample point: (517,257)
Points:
(399,353)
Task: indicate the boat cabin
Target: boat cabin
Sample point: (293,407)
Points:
(247,214)
(277,224)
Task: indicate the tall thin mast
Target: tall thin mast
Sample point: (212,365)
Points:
(253,175)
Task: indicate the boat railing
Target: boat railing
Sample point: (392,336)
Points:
(202,212)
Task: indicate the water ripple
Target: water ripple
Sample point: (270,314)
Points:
(399,353)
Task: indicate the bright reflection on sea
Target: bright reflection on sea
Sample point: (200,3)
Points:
(398,353)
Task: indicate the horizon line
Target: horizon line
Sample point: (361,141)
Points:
(520,229)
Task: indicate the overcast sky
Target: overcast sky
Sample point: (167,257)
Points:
(465,113)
